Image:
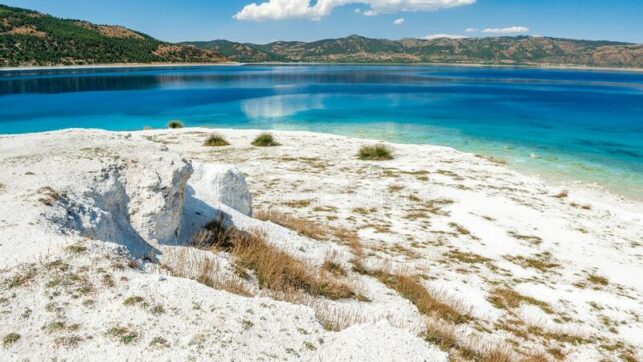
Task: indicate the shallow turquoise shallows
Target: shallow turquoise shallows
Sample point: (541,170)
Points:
(566,124)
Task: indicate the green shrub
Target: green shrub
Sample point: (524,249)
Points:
(265,140)
(377,152)
(215,140)
(175,124)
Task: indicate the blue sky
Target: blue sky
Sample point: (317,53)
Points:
(177,20)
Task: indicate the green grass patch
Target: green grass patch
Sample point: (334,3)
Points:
(265,140)
(215,140)
(379,152)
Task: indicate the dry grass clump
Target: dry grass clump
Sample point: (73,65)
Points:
(21,277)
(265,140)
(467,258)
(598,280)
(49,196)
(416,293)
(535,240)
(301,226)
(203,270)
(470,348)
(540,261)
(175,124)
(333,268)
(274,269)
(506,298)
(215,140)
(313,230)
(378,152)
(412,290)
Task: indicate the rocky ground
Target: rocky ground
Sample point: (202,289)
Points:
(433,255)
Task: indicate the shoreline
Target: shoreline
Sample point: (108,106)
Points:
(592,190)
(189,65)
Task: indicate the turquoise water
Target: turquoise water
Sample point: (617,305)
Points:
(581,125)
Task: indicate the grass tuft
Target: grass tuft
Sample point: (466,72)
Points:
(215,140)
(505,298)
(598,280)
(378,152)
(265,140)
(10,339)
(123,335)
(175,124)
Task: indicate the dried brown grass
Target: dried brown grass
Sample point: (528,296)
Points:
(274,268)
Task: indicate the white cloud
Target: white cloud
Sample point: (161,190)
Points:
(308,9)
(370,13)
(399,21)
(442,36)
(471,30)
(509,30)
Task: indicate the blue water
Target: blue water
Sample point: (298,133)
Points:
(582,125)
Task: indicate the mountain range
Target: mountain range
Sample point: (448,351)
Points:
(30,38)
(500,50)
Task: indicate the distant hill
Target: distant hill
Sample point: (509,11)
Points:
(29,38)
(501,50)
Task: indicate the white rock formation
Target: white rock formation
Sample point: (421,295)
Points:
(224,184)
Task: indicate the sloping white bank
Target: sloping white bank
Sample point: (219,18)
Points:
(86,218)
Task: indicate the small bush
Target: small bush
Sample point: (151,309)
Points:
(175,124)
(215,140)
(265,140)
(379,152)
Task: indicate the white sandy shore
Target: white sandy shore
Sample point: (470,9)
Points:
(466,226)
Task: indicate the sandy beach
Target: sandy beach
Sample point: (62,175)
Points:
(509,263)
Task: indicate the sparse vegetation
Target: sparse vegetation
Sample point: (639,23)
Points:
(265,140)
(506,298)
(333,268)
(133,300)
(21,277)
(275,269)
(302,226)
(598,280)
(60,326)
(76,249)
(215,140)
(49,196)
(378,152)
(541,262)
(175,124)
(159,342)
(10,339)
(123,334)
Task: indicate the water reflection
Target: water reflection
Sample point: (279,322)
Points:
(281,106)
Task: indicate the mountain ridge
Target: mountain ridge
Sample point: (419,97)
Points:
(507,50)
(31,38)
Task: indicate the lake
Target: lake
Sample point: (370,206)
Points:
(572,125)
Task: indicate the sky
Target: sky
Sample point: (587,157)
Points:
(263,21)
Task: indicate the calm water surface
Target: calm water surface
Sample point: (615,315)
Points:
(581,125)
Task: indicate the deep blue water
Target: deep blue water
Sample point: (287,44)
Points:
(582,125)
